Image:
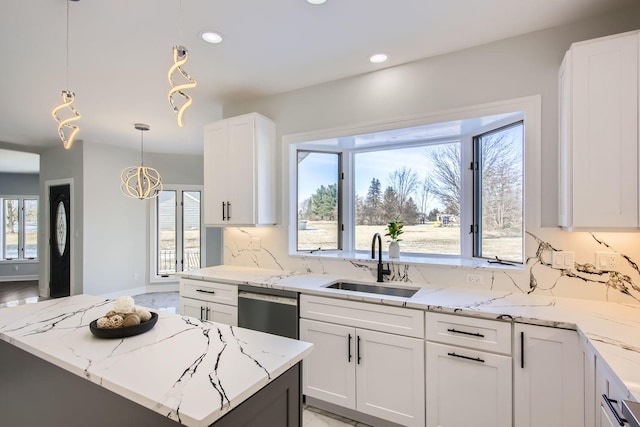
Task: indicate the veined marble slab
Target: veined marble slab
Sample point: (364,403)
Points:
(613,329)
(177,369)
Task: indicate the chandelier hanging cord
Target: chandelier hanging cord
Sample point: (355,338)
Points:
(180,58)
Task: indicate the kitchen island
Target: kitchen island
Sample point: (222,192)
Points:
(54,372)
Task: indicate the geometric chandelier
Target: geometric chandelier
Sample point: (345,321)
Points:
(140,182)
(67,129)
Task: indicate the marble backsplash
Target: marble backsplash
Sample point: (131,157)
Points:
(538,277)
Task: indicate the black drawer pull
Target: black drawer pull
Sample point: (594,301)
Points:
(473,334)
(202,313)
(208,310)
(349,349)
(224,204)
(228,211)
(358,350)
(205,291)
(475,359)
(609,402)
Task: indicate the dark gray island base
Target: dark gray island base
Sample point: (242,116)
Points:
(34,392)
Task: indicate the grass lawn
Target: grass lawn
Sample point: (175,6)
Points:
(421,238)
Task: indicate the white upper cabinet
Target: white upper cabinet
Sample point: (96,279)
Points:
(239,171)
(599,134)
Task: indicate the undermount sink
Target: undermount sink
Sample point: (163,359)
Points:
(374,289)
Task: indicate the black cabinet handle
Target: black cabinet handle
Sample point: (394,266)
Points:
(473,334)
(201,313)
(609,403)
(205,291)
(358,350)
(349,349)
(228,211)
(208,310)
(223,214)
(522,349)
(475,359)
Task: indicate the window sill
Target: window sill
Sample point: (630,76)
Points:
(421,260)
(19,261)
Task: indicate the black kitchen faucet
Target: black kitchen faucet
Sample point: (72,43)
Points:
(381,270)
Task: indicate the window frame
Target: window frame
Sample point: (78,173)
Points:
(21,229)
(530,108)
(477,160)
(154,277)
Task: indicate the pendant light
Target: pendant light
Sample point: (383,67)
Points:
(141,182)
(67,129)
(180,58)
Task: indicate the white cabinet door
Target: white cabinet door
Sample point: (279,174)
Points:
(390,377)
(328,373)
(599,133)
(548,377)
(222,313)
(240,180)
(193,308)
(589,357)
(216,172)
(239,171)
(203,310)
(606,419)
(467,387)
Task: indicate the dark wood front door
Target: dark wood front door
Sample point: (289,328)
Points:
(59,241)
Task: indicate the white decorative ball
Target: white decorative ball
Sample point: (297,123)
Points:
(124,305)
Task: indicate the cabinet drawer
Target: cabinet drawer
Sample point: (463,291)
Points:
(480,334)
(209,291)
(395,320)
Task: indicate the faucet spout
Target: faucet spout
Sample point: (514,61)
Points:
(381,270)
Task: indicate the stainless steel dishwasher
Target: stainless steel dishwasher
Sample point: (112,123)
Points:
(268,310)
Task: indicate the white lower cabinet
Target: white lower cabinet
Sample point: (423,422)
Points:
(204,310)
(206,300)
(375,373)
(469,371)
(548,377)
(610,393)
(467,387)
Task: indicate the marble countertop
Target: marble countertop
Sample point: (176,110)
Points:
(612,329)
(177,369)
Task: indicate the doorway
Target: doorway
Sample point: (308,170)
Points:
(60,241)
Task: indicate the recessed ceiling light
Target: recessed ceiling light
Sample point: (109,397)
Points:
(378,58)
(211,37)
(316,1)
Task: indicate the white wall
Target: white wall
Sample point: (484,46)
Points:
(512,68)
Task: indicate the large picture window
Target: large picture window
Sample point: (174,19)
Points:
(457,187)
(19,237)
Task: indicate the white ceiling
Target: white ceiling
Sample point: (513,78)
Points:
(120,52)
(19,162)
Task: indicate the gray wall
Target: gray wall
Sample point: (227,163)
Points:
(511,68)
(57,163)
(18,184)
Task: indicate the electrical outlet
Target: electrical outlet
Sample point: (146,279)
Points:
(607,261)
(475,279)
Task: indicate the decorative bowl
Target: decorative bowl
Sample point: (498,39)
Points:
(129,331)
